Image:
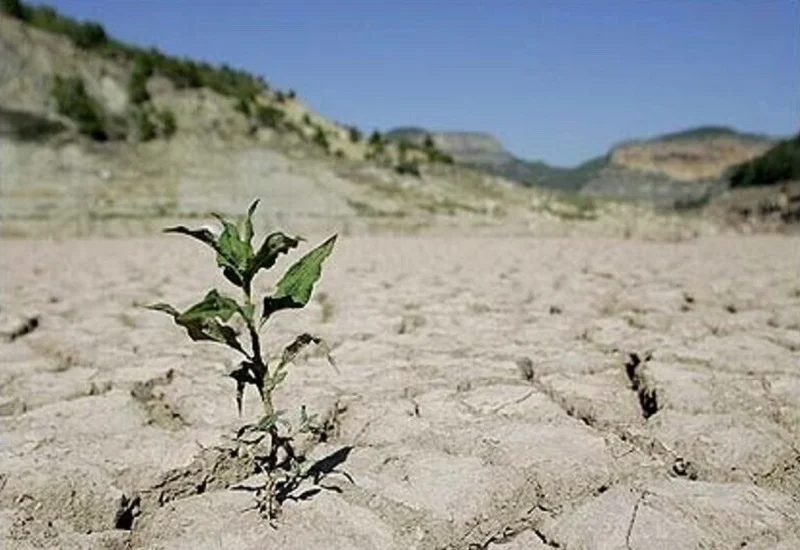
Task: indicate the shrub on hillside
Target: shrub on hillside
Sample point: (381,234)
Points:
(410,168)
(15,9)
(403,147)
(243,105)
(74,102)
(137,85)
(272,117)
(183,73)
(168,123)
(321,139)
(780,163)
(435,155)
(86,35)
(354,133)
(145,128)
(89,35)
(376,138)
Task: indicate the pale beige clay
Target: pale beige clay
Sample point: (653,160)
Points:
(488,387)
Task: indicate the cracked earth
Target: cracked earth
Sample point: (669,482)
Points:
(498,393)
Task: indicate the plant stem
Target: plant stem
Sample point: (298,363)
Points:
(261,371)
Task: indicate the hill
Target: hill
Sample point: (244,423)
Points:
(778,164)
(102,136)
(670,169)
(485,152)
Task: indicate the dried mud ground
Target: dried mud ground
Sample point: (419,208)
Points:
(501,393)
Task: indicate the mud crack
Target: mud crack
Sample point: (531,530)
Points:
(633,519)
(640,383)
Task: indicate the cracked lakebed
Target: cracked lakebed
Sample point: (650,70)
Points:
(497,393)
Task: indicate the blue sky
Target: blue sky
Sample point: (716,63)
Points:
(559,80)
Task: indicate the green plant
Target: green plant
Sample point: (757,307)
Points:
(403,147)
(14,8)
(354,133)
(243,106)
(376,139)
(780,163)
(321,139)
(137,85)
(409,167)
(73,101)
(145,129)
(90,35)
(168,123)
(435,155)
(183,73)
(208,320)
(270,116)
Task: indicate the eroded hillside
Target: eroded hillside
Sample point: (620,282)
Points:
(691,157)
(95,154)
(104,138)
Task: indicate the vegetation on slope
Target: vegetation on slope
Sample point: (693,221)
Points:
(74,102)
(778,164)
(709,132)
(250,94)
(89,35)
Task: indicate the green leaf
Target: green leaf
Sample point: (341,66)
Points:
(295,288)
(213,304)
(211,329)
(243,376)
(247,311)
(308,422)
(204,320)
(247,230)
(273,246)
(202,235)
(269,421)
(233,254)
(275,380)
(166,308)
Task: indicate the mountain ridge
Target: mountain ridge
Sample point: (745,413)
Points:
(662,164)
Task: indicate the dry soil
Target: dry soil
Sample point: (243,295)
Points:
(500,393)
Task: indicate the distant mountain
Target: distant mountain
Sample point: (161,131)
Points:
(484,151)
(711,132)
(669,168)
(682,167)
